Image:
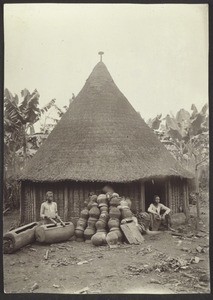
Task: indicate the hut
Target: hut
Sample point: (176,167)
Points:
(101,140)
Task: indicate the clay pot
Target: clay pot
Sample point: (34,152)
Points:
(89,206)
(129,202)
(113,223)
(93,198)
(94,211)
(101,197)
(114,213)
(126,212)
(91,229)
(112,239)
(118,232)
(79,233)
(100,224)
(115,195)
(124,203)
(103,202)
(120,236)
(89,232)
(104,216)
(114,201)
(99,238)
(91,222)
(84,213)
(81,223)
(104,208)
(109,195)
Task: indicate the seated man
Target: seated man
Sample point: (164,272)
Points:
(48,211)
(159,214)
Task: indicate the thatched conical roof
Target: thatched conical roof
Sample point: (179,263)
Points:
(101,138)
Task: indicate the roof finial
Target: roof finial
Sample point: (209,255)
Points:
(100,53)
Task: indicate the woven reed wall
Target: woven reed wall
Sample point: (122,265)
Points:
(177,196)
(33,194)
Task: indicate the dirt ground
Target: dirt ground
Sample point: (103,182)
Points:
(162,264)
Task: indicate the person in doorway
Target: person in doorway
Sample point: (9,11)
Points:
(49,211)
(160,214)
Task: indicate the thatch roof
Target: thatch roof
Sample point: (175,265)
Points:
(101,138)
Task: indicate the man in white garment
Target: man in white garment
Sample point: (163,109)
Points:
(159,212)
(49,210)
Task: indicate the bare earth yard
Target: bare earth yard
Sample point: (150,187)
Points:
(163,264)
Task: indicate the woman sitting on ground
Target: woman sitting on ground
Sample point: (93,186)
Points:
(160,214)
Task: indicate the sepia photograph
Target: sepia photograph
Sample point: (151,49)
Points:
(106,149)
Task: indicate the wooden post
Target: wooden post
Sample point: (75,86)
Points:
(66,201)
(142,197)
(34,204)
(197,196)
(169,193)
(21,202)
(197,192)
(166,192)
(185,201)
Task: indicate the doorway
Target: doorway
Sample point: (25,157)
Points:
(154,187)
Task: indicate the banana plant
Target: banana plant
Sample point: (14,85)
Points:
(186,136)
(19,118)
(20,140)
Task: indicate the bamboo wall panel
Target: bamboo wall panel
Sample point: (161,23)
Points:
(81,199)
(76,203)
(166,194)
(66,204)
(182,194)
(137,197)
(133,199)
(142,197)
(71,202)
(187,193)
(186,199)
(169,194)
(34,203)
(33,194)
(60,201)
(22,205)
(28,202)
(176,195)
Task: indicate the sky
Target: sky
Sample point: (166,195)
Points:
(156,54)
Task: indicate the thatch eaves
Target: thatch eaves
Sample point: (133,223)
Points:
(101,138)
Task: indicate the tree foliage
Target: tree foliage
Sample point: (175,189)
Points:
(185,135)
(18,117)
(20,140)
